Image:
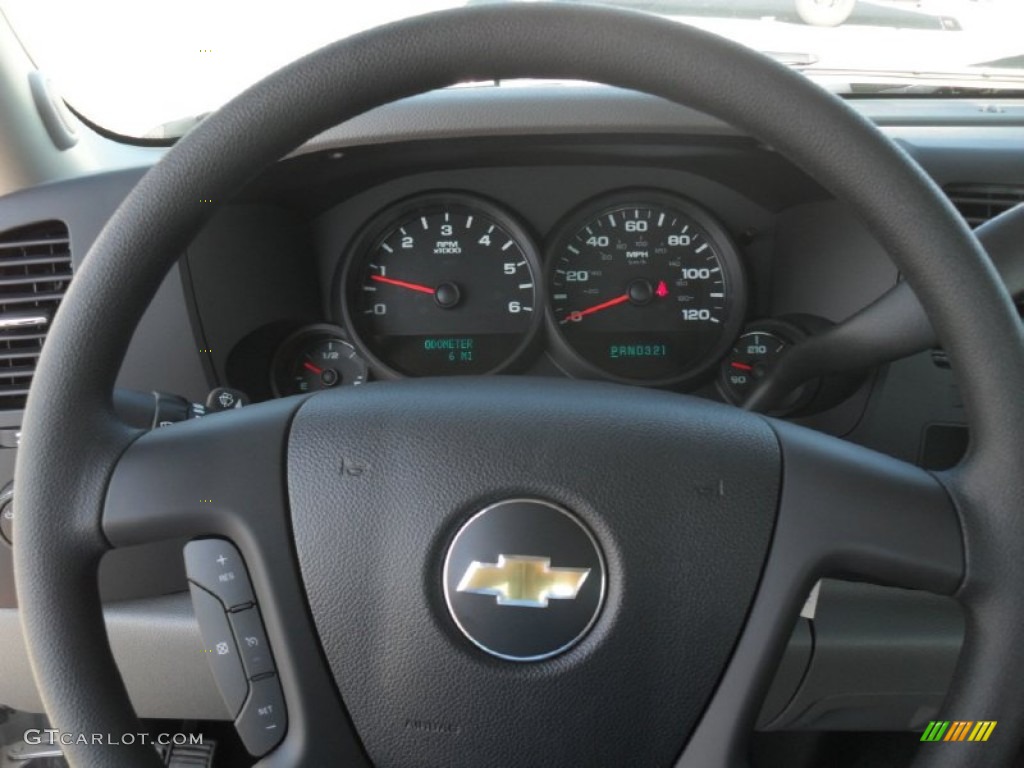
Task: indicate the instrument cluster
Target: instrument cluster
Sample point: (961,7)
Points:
(639,286)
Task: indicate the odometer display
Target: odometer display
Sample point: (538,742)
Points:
(645,290)
(443,286)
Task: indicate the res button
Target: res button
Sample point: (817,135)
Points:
(216,566)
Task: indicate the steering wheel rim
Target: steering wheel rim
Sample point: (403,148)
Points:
(72,441)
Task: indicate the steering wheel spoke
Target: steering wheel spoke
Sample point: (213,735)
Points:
(846,512)
(223,478)
(223,475)
(850,512)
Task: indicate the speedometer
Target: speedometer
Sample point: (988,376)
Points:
(645,288)
(443,285)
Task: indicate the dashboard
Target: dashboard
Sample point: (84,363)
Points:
(625,239)
(688,266)
(634,288)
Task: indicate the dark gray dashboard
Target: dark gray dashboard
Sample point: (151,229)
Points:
(268,262)
(801,251)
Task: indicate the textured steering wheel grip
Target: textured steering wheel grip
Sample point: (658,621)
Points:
(72,440)
(1002,237)
(892,327)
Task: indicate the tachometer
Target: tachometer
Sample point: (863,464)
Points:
(443,285)
(644,288)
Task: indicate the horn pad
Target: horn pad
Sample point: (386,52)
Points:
(402,492)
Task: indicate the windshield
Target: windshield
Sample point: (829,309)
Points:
(133,66)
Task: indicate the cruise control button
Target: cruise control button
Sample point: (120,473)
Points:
(220,649)
(263,720)
(216,566)
(252,642)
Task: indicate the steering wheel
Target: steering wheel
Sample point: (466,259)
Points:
(707,524)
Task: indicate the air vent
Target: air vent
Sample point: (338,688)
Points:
(35,267)
(978,203)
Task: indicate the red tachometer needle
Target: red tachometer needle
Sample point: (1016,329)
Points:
(597,307)
(742,366)
(402,284)
(312,368)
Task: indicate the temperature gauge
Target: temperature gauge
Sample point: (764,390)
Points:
(749,360)
(313,360)
(752,357)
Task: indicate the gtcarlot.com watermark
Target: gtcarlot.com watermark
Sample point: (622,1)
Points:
(52,737)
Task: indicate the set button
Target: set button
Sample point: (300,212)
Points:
(262,721)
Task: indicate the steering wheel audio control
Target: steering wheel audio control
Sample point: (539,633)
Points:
(235,643)
(220,648)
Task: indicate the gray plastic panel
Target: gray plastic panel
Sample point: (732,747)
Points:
(826,264)
(790,674)
(571,108)
(883,660)
(913,394)
(163,354)
(878,647)
(158,648)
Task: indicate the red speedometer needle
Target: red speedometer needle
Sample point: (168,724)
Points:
(742,366)
(402,284)
(597,307)
(312,368)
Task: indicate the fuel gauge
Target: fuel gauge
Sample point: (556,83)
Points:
(316,359)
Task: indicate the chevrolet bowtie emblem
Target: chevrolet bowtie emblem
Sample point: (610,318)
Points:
(525,581)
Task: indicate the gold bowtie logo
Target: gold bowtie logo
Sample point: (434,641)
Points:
(525,581)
